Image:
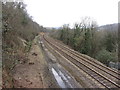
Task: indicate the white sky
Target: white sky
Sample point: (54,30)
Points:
(55,13)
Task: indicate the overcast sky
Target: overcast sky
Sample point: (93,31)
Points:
(55,13)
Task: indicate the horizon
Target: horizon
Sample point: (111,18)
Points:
(72,27)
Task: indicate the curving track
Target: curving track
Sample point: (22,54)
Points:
(104,75)
(89,61)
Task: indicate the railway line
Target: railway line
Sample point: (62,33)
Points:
(94,69)
(93,63)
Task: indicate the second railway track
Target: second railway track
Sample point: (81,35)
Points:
(110,73)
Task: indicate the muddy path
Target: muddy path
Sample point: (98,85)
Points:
(63,78)
(35,72)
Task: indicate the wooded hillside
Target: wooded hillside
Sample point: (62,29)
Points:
(18,32)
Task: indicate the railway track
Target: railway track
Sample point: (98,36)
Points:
(94,63)
(80,55)
(108,83)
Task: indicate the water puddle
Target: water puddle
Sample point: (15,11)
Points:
(58,78)
(62,77)
(66,79)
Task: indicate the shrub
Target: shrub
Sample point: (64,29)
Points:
(105,56)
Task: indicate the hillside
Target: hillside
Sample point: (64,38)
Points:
(19,30)
(109,27)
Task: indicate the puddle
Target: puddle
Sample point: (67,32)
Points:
(65,78)
(58,78)
(62,78)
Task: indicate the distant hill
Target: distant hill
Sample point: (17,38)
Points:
(110,27)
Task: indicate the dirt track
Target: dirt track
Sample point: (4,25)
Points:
(35,73)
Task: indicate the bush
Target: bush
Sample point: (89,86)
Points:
(28,47)
(105,56)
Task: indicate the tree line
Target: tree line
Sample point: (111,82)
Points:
(86,38)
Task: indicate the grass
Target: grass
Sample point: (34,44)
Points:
(28,47)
